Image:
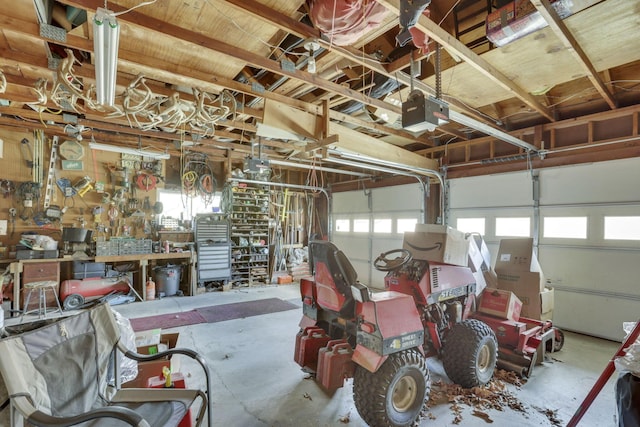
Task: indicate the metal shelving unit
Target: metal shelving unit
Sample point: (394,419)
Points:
(248,210)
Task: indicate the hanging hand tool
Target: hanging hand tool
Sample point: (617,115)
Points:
(27,152)
(12,220)
(112,214)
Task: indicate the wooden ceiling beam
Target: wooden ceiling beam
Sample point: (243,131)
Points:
(453,45)
(566,37)
(153,24)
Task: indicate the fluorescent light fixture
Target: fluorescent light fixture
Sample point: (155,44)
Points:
(125,150)
(106,35)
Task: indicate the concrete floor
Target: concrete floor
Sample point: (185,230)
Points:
(257,383)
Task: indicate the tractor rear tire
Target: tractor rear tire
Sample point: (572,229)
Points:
(470,353)
(394,395)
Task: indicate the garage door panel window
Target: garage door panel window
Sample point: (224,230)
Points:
(404,225)
(566,227)
(471,225)
(622,227)
(513,227)
(343,225)
(382,225)
(360,225)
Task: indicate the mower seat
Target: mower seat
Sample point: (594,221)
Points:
(334,276)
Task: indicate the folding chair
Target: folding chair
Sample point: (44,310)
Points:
(58,375)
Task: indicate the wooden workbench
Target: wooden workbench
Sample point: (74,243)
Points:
(16,267)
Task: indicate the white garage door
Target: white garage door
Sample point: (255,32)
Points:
(368,223)
(587,226)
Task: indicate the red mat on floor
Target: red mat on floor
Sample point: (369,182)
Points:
(219,313)
(212,314)
(166,321)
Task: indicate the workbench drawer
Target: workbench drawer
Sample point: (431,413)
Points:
(40,271)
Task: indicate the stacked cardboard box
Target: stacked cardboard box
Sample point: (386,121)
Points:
(500,303)
(480,264)
(438,243)
(518,271)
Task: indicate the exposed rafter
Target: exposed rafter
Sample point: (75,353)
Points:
(452,44)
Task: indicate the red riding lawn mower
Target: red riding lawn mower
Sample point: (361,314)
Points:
(382,339)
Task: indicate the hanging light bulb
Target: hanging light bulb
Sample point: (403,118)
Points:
(106,35)
(311,65)
(311,45)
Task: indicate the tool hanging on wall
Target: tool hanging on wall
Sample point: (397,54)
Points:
(49,191)
(7,188)
(12,220)
(112,214)
(65,186)
(28,193)
(27,152)
(146,181)
(83,185)
(38,156)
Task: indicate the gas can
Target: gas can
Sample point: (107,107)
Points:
(308,342)
(334,365)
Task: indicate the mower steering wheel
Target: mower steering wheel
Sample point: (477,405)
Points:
(383,263)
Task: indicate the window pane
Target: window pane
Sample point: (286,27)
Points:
(513,227)
(176,205)
(471,225)
(361,225)
(382,225)
(342,225)
(566,227)
(406,224)
(622,227)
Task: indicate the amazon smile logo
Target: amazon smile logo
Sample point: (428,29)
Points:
(437,246)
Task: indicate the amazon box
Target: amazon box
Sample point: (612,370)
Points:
(438,243)
(500,303)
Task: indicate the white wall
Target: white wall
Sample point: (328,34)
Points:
(596,281)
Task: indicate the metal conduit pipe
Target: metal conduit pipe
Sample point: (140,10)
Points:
(318,168)
(393,168)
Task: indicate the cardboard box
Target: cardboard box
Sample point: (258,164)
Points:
(479,255)
(149,337)
(480,264)
(153,368)
(484,280)
(500,303)
(517,266)
(516,255)
(438,243)
(538,305)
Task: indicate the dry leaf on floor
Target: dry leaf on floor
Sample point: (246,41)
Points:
(482,415)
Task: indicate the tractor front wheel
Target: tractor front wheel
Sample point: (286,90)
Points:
(470,353)
(394,395)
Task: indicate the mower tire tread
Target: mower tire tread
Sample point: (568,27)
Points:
(467,343)
(372,391)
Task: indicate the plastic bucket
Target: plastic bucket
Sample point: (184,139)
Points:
(167,280)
